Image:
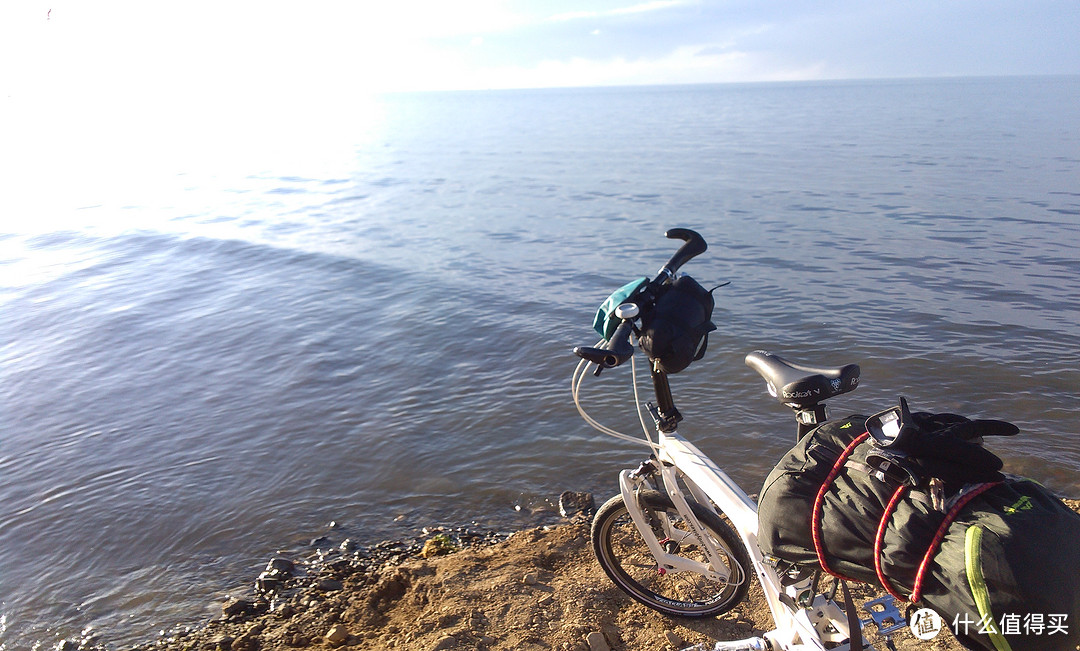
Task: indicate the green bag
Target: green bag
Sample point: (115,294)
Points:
(1006,575)
(998,560)
(606,322)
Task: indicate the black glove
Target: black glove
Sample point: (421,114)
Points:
(946,446)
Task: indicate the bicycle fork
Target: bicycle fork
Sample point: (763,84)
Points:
(630,482)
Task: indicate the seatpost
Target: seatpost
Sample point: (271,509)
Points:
(809,417)
(669,416)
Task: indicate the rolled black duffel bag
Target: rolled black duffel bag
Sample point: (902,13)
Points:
(997,558)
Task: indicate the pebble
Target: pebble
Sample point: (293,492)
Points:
(673,639)
(572,503)
(281,566)
(234,606)
(532,578)
(246,642)
(223,643)
(330,585)
(445,642)
(337,635)
(268,582)
(597,641)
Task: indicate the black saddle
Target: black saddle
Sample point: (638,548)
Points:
(800,386)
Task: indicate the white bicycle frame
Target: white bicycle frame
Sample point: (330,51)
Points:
(802,623)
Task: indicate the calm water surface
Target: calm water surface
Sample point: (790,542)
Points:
(199,368)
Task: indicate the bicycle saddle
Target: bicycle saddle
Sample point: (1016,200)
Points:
(802,386)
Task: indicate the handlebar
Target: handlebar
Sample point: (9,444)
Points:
(693,245)
(617,349)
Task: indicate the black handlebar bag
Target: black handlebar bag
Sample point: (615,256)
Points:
(675,332)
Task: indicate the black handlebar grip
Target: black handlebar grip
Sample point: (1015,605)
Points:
(694,245)
(617,350)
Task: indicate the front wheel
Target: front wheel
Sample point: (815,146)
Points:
(626,559)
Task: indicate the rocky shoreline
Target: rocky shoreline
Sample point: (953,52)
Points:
(461,588)
(286,589)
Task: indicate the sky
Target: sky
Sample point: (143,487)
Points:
(243,47)
(121,73)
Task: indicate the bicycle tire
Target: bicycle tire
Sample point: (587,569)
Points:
(627,561)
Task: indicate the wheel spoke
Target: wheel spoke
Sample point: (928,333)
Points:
(627,560)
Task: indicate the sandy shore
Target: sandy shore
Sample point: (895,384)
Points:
(535,589)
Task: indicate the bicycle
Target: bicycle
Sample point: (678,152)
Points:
(681,535)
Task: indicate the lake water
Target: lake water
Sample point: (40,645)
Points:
(206,363)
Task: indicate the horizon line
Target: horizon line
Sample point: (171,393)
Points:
(752,82)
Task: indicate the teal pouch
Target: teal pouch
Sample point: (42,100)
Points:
(606,322)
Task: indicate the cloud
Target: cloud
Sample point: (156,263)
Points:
(647,6)
(689,64)
(643,7)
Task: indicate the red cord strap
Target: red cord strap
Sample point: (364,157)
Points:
(901,492)
(916,594)
(879,539)
(819,502)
